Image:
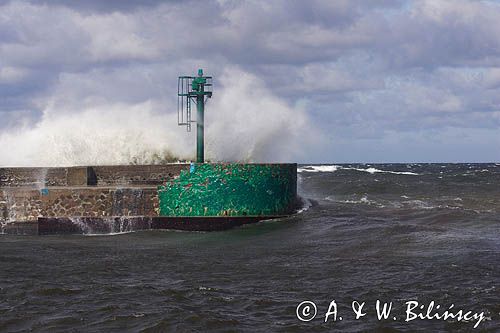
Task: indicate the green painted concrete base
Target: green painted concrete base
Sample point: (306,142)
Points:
(231,190)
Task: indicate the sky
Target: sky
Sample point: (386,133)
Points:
(95,82)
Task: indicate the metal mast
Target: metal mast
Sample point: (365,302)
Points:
(194,89)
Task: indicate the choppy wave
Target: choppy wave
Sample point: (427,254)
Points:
(333,168)
(306,204)
(413,204)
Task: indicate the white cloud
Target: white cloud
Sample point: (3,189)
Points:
(116,36)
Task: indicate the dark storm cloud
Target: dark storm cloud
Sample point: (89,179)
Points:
(360,69)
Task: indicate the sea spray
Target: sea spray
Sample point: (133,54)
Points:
(41,179)
(7,207)
(246,122)
(110,225)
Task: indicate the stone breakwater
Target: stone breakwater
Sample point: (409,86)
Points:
(22,204)
(27,194)
(101,199)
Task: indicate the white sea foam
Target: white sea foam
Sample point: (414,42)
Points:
(374,170)
(420,204)
(364,200)
(318,168)
(333,168)
(110,234)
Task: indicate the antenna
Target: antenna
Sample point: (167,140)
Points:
(197,90)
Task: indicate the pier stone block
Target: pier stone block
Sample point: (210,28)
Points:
(77,176)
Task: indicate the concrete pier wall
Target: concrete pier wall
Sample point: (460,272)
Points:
(35,177)
(136,174)
(90,175)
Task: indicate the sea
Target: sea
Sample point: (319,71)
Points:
(373,248)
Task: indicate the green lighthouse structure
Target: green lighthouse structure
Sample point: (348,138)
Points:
(222,191)
(194,89)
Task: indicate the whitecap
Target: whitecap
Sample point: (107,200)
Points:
(333,168)
(374,170)
(318,168)
(363,200)
(419,204)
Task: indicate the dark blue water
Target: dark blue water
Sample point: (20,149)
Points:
(394,232)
